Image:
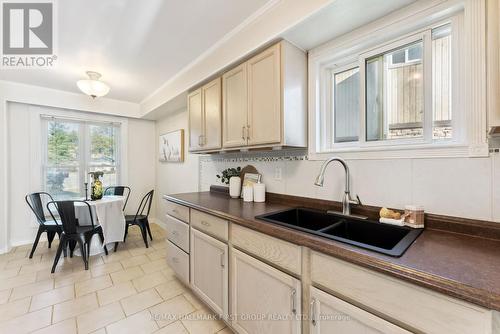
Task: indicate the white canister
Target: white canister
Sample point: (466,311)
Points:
(247,193)
(259,192)
(235,186)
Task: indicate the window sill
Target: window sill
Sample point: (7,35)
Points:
(422,151)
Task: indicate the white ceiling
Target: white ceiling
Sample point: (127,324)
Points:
(339,18)
(136,45)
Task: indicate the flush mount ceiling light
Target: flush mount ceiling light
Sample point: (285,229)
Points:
(92,86)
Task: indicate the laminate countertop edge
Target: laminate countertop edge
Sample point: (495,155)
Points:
(364,258)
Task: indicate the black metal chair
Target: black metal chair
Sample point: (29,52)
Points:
(118,191)
(36,203)
(73,233)
(140,219)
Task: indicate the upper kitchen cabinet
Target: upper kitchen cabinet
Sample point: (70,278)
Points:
(204,108)
(264,100)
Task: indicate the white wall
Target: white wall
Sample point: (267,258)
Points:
(171,177)
(24,163)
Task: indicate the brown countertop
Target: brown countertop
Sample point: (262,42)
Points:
(463,266)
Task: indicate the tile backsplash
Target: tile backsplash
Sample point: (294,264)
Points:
(465,187)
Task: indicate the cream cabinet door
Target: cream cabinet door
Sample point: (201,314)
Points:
(209,274)
(329,314)
(195,111)
(234,107)
(264,97)
(264,300)
(211,137)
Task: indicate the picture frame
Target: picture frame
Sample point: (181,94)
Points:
(171,146)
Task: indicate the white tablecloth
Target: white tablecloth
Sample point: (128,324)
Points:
(107,212)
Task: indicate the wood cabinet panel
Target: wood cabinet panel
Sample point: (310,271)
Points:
(211,138)
(195,111)
(235,107)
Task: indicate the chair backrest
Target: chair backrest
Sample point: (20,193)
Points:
(118,191)
(67,213)
(36,203)
(146,202)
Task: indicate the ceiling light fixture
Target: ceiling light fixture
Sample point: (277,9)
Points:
(92,86)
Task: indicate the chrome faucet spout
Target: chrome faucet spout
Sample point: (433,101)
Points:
(346,199)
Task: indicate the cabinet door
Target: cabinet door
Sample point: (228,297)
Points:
(264,300)
(234,107)
(209,272)
(329,314)
(195,110)
(211,137)
(264,97)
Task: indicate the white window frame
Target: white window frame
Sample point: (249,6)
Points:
(397,29)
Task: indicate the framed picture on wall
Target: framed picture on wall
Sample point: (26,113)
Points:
(171,146)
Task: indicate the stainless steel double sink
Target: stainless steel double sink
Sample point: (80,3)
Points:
(383,238)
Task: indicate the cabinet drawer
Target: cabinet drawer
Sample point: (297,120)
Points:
(416,307)
(178,233)
(281,253)
(178,211)
(178,260)
(212,225)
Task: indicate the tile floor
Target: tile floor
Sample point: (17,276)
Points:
(130,291)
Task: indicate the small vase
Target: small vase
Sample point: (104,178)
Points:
(235,186)
(96,189)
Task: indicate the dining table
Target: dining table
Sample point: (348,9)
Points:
(107,212)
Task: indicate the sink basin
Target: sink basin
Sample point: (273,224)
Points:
(387,239)
(302,219)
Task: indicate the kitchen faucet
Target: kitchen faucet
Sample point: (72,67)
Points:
(346,200)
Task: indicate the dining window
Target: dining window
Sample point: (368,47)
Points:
(72,149)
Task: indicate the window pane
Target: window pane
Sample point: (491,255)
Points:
(62,143)
(63,183)
(102,144)
(441,82)
(346,105)
(394,95)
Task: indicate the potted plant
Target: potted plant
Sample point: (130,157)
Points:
(231,176)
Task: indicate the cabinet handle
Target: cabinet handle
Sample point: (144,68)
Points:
(222,260)
(175,260)
(243,132)
(205,223)
(175,233)
(293,295)
(175,211)
(248,132)
(312,312)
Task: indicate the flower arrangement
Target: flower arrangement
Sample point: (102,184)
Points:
(227,173)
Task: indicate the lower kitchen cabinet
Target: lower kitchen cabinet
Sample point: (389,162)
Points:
(209,270)
(264,300)
(329,314)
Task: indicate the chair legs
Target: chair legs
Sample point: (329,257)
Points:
(144,234)
(62,245)
(35,243)
(101,236)
(149,230)
(50,237)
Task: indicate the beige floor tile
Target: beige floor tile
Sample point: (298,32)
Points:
(98,318)
(149,281)
(226,330)
(126,275)
(72,278)
(29,268)
(135,261)
(141,251)
(105,268)
(16,281)
(203,322)
(63,327)
(171,310)
(154,266)
(174,328)
(28,322)
(116,292)
(168,272)
(139,323)
(31,289)
(8,273)
(171,289)
(157,254)
(140,301)
(4,296)
(14,309)
(75,307)
(194,300)
(122,254)
(52,297)
(92,285)
(99,331)
(15,263)
(160,244)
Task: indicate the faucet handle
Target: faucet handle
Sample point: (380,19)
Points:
(355,201)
